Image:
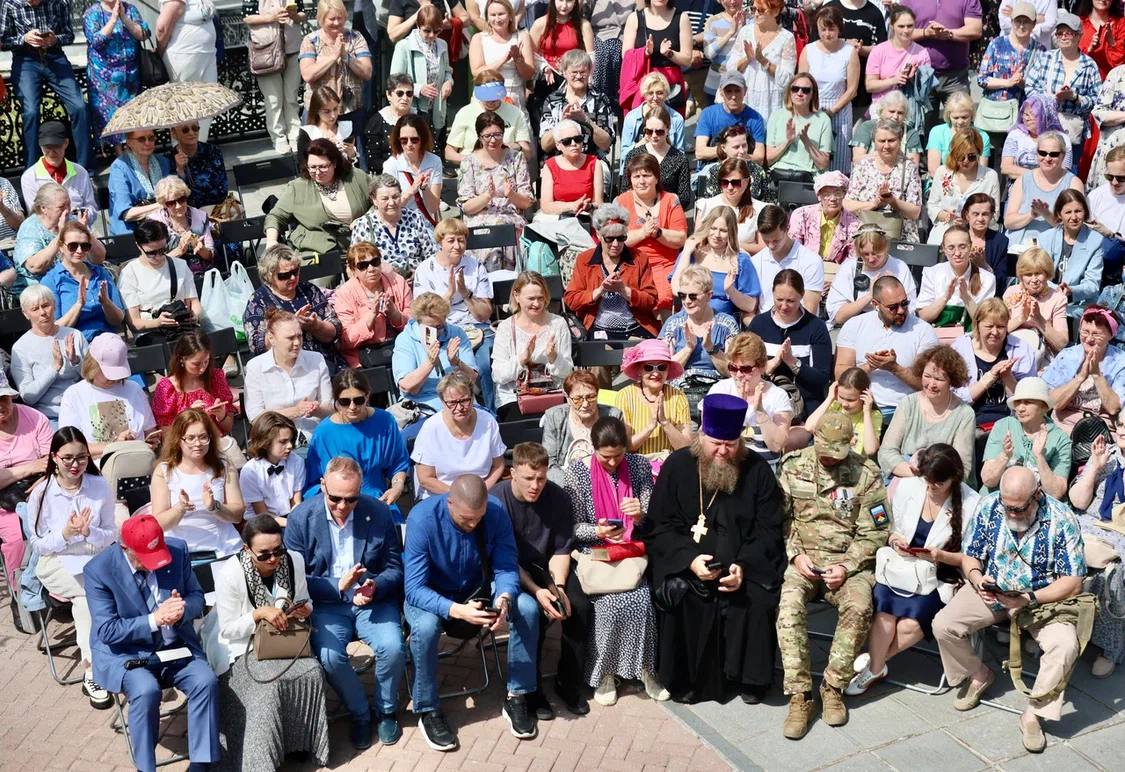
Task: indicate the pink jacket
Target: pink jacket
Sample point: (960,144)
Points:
(351,304)
(634,66)
(804,226)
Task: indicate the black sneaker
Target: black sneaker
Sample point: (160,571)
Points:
(437,732)
(520,721)
(538,702)
(360,735)
(573,699)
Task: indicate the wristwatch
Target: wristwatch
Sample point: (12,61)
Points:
(1032,602)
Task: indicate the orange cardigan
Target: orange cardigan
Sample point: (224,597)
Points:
(588,275)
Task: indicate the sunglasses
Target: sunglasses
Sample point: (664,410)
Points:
(363,265)
(287,275)
(568,141)
(655,132)
(654,367)
(743,369)
(800,89)
(692,296)
(78,246)
(1050,153)
(410,140)
(970,158)
(176,201)
(337,499)
(401,93)
(588,399)
(155,252)
(194,129)
(896,306)
(350,401)
(268,555)
(731,182)
(620,238)
(149,138)
(1020,510)
(1115,178)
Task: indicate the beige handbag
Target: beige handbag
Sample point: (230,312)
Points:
(290,643)
(600,577)
(888,221)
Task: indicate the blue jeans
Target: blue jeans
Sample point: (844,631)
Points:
(29,73)
(425,631)
(379,625)
(483,357)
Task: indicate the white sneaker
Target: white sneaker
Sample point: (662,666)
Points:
(653,688)
(861,662)
(606,693)
(99,697)
(1102,667)
(281,147)
(864,680)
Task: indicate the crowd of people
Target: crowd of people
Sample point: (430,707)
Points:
(901,397)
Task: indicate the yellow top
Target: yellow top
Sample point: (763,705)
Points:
(638,412)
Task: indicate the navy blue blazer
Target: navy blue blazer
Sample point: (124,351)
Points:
(378,546)
(119,613)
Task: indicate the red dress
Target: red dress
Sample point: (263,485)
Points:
(1106,46)
(557,42)
(167,403)
(573,185)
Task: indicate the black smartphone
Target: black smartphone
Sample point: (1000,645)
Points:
(559,607)
(615,523)
(297,606)
(491,610)
(818,571)
(714,565)
(995,589)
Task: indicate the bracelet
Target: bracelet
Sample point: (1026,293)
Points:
(977,570)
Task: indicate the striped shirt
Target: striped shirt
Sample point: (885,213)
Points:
(638,412)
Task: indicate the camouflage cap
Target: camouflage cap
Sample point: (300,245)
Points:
(834,436)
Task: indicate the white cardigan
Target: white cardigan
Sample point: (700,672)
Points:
(230,626)
(906,511)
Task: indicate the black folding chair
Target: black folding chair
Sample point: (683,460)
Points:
(599,353)
(795,194)
(120,249)
(247,234)
(261,172)
(515,432)
(501,294)
(379,379)
(148,359)
(13,324)
(917,256)
(492,236)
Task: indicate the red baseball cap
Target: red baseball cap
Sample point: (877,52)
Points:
(143,535)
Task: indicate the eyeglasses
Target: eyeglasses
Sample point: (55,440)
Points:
(176,201)
(1115,178)
(454,404)
(830,193)
(201,439)
(895,306)
(692,296)
(73,460)
(350,401)
(655,367)
(319,168)
(800,89)
(492,136)
(743,369)
(1050,153)
(584,399)
(363,265)
(268,555)
(158,252)
(731,182)
(400,93)
(337,499)
(620,238)
(1020,510)
(287,275)
(970,158)
(410,140)
(193,129)
(568,141)
(78,246)
(655,132)
(149,138)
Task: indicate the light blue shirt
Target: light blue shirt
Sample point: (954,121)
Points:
(1066,363)
(343,547)
(166,631)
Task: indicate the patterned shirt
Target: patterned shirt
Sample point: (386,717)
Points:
(1001,60)
(1046,76)
(18,17)
(205,175)
(723,328)
(411,243)
(1050,549)
(307,294)
(598,109)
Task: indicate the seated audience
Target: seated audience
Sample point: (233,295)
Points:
(655,90)
(696,333)
(1039,115)
(286,378)
(1028,438)
(675,171)
(489,95)
(826,227)
(572,181)
(992,558)
(736,194)
(566,428)
(1031,199)
(595,113)
(40,239)
(543,525)
(132,182)
(893,107)
(1037,306)
(885,187)
(145,282)
(427,349)
(324,123)
(797,344)
(734,286)
(1068,69)
(373,306)
(885,342)
(195,494)
(273,479)
(611,289)
(799,135)
(189,230)
(928,514)
(86,295)
(451,585)
(656,413)
(314,211)
(200,165)
(69,520)
(107,405)
(195,382)
(403,236)
(275,707)
(930,415)
(380,123)
(25,435)
(852,291)
(131,626)
(782,252)
(532,346)
(54,166)
(1088,377)
(729,109)
(957,116)
(462,439)
(415,166)
(960,175)
(45,359)
(735,142)
(851,395)
(282,288)
(990,246)
(952,290)
(353,564)
(615,485)
(1076,250)
(995,361)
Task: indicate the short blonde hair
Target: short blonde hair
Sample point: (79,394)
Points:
(450,226)
(324,7)
(36,294)
(958,100)
(697,276)
(747,346)
(872,237)
(429,304)
(990,310)
(455,380)
(655,79)
(1035,260)
(169,188)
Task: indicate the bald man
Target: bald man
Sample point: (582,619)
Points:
(462,576)
(1023,559)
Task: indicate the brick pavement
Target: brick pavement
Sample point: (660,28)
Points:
(44,726)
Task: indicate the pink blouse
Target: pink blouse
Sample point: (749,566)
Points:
(167,403)
(352,305)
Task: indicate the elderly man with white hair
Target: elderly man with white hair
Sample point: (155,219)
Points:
(826,227)
(47,358)
(591,109)
(1023,560)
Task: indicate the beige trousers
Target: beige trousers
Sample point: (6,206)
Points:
(967,613)
(283,112)
(61,582)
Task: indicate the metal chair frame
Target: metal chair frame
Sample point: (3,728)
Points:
(46,616)
(120,725)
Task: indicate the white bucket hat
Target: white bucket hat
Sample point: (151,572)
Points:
(1032,388)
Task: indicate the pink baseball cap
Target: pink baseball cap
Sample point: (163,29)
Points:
(112,356)
(143,535)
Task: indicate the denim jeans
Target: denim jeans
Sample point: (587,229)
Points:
(523,636)
(379,625)
(483,357)
(29,73)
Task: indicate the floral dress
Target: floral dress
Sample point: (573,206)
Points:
(904,183)
(113,64)
(1111,97)
(476,176)
(205,175)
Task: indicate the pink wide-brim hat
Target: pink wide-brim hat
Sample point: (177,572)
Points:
(649,351)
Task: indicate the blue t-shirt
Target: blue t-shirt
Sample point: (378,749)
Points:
(91,320)
(375,443)
(715,118)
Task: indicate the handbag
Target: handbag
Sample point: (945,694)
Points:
(890,222)
(537,392)
(227,210)
(407,411)
(292,643)
(904,575)
(459,628)
(266,47)
(152,69)
(996,115)
(601,577)
(15,494)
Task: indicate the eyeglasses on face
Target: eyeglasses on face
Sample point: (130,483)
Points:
(1049,153)
(155,252)
(655,132)
(492,136)
(618,238)
(655,367)
(193,129)
(970,158)
(741,369)
(78,460)
(78,246)
(1020,510)
(800,89)
(318,168)
(398,92)
(730,182)
(692,296)
(176,201)
(350,401)
(268,555)
(147,138)
(344,499)
(584,399)
(568,141)
(363,265)
(455,404)
(287,275)
(197,439)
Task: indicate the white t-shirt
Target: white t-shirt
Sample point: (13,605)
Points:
(800,258)
(429,276)
(398,168)
(274,490)
(452,457)
(1107,208)
(867,333)
(202,530)
(102,414)
(842,290)
(147,288)
(936,278)
(774,402)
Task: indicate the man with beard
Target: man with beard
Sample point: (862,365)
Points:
(884,342)
(835,520)
(713,536)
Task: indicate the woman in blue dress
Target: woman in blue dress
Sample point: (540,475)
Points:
(113,30)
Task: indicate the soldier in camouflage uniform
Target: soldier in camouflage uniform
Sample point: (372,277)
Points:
(836,517)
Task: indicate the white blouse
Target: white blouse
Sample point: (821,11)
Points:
(49,506)
(202,530)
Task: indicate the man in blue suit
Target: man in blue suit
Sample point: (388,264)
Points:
(353,562)
(143,599)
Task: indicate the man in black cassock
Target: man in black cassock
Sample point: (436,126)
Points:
(716,503)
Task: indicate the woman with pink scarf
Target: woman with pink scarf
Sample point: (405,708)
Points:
(610,494)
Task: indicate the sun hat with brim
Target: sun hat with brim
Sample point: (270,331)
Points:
(649,351)
(1031,388)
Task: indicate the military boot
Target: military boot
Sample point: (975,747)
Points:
(801,708)
(833,710)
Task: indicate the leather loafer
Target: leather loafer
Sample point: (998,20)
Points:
(971,692)
(1034,741)
(360,735)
